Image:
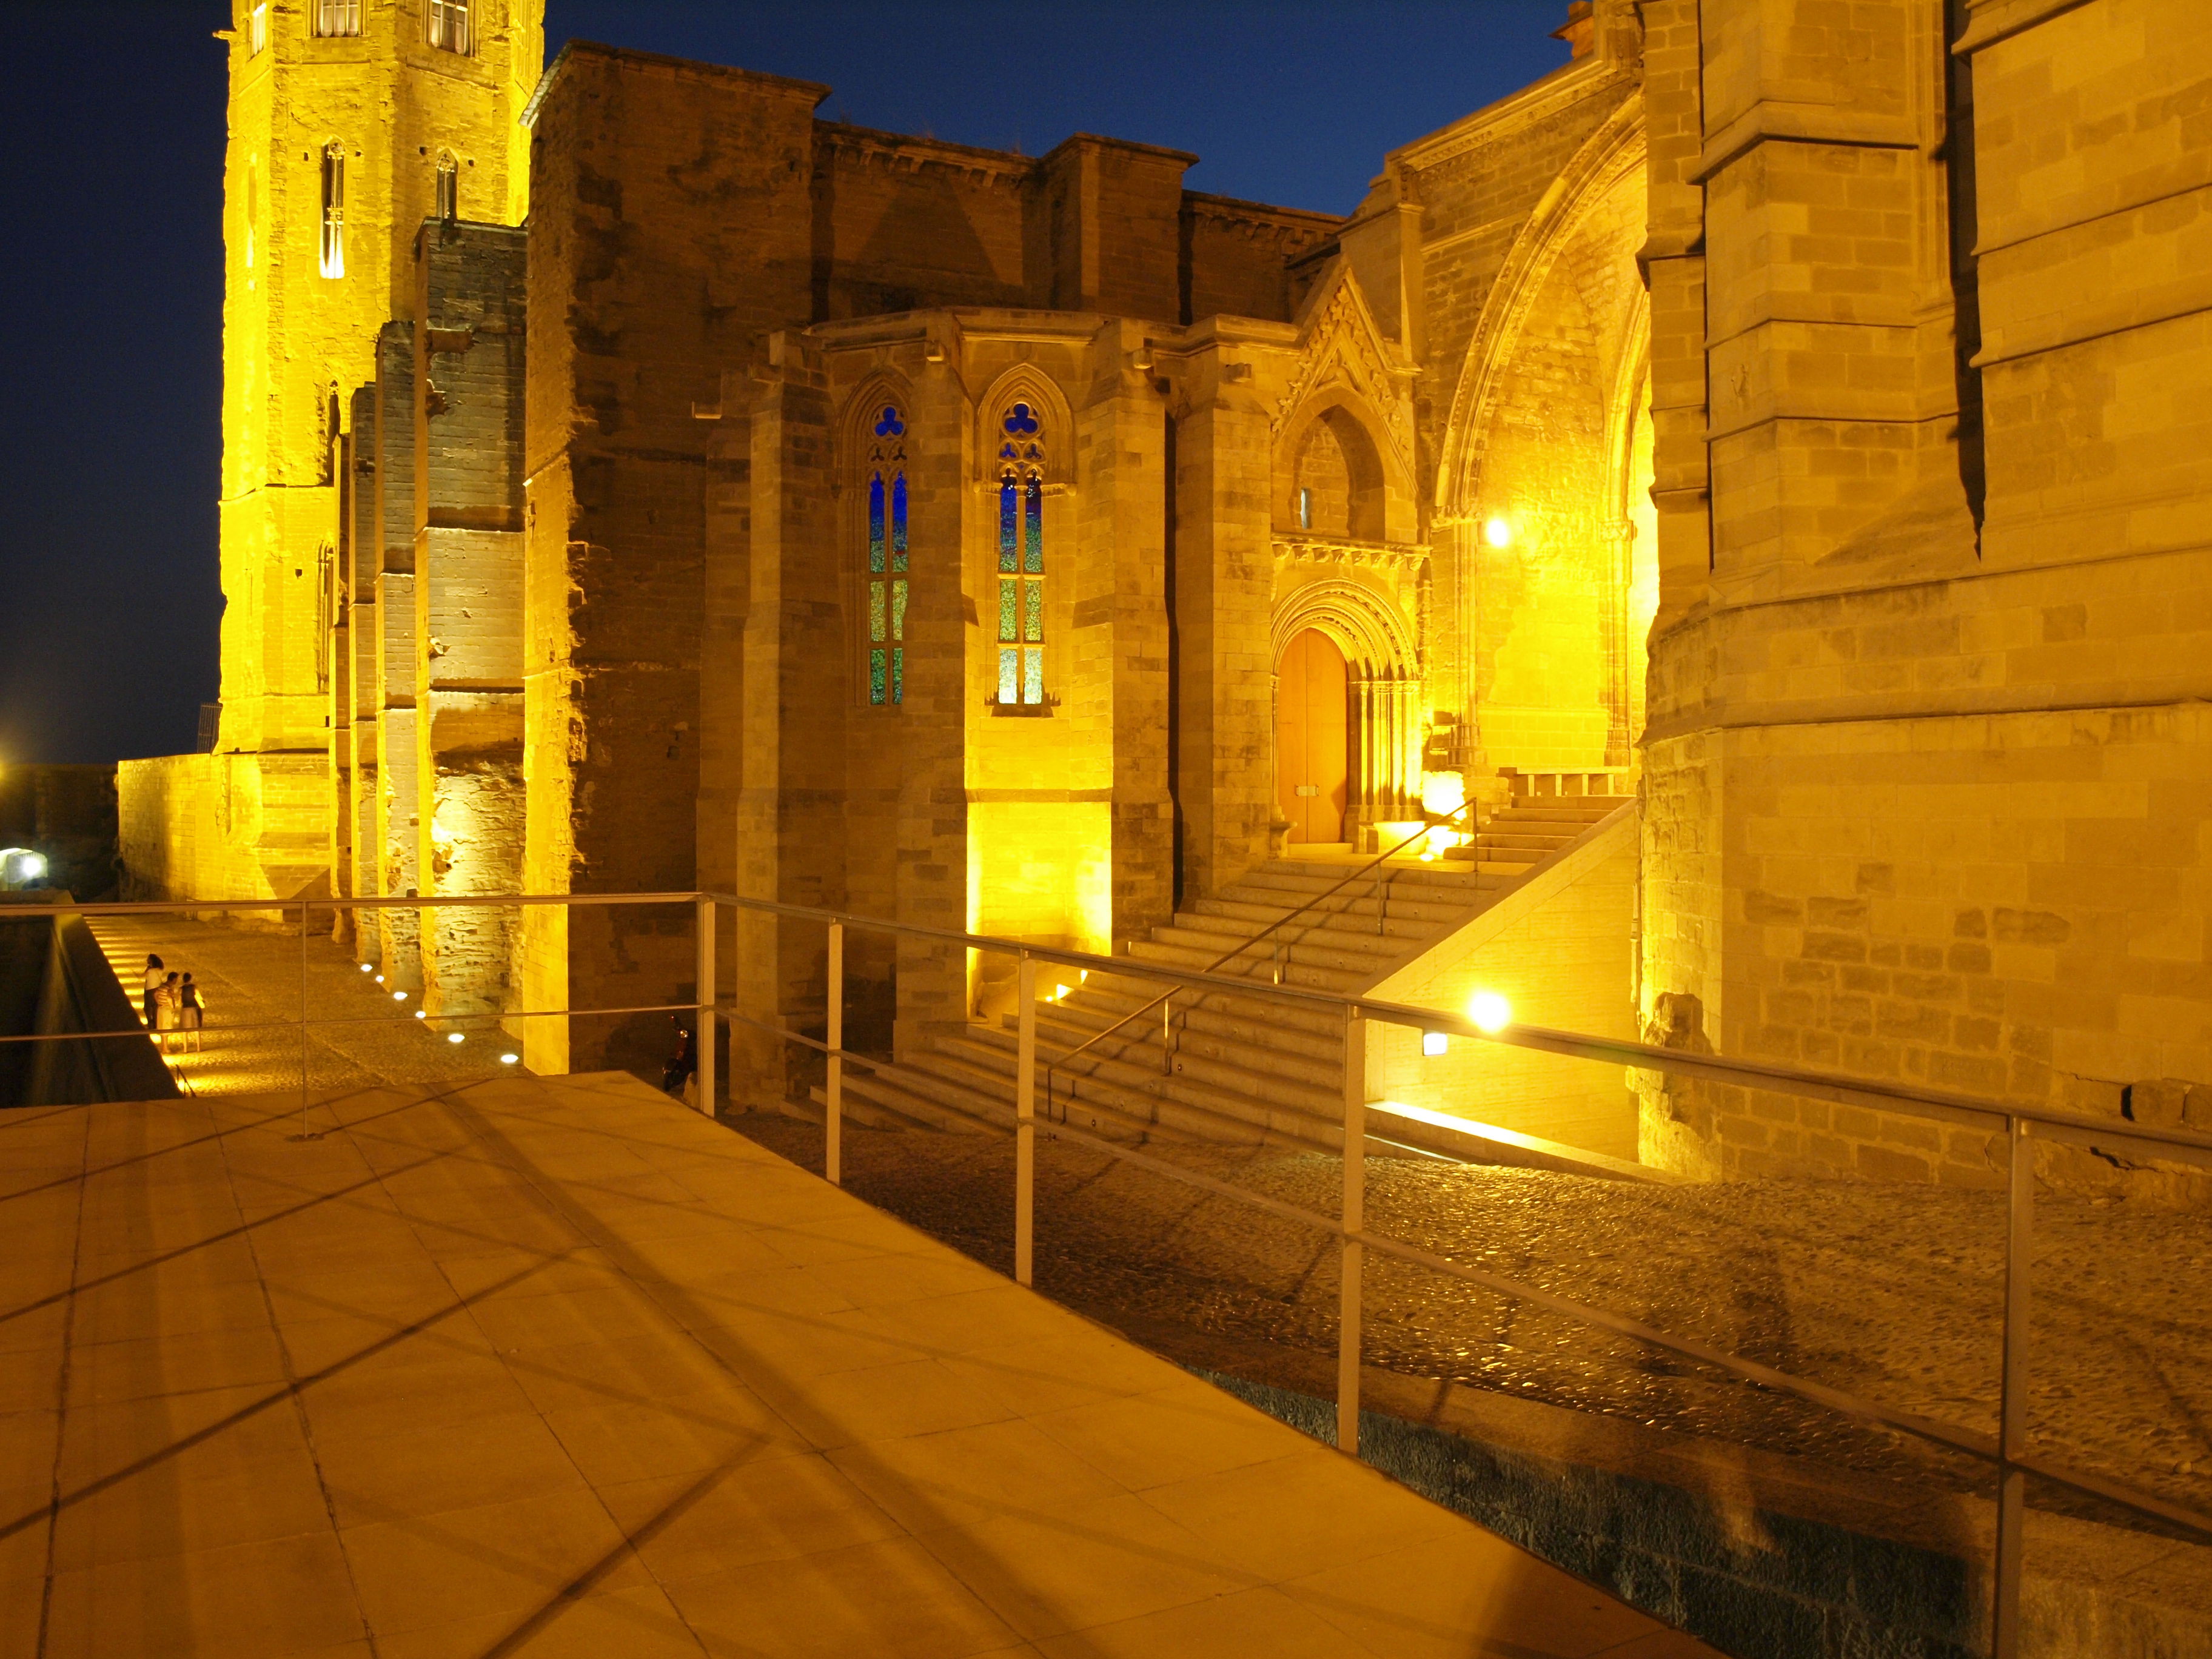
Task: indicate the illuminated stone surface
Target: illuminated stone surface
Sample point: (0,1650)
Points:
(557,1364)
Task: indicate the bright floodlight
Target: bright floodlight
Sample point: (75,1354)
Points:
(367,966)
(1497,533)
(508,1060)
(1434,1042)
(399,996)
(1490,1010)
(20,866)
(421,1013)
(455,1036)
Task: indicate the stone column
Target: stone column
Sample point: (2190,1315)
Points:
(399,943)
(364,553)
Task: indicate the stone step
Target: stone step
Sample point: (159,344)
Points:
(1214,1055)
(1174,1101)
(987,1073)
(1339,980)
(879,1104)
(1354,953)
(1321,877)
(1309,1034)
(1416,905)
(1260,915)
(1196,1079)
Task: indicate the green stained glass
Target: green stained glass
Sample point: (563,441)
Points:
(898,673)
(1033,527)
(1007,631)
(1033,611)
(875,677)
(1032,673)
(1010,674)
(898,611)
(875,613)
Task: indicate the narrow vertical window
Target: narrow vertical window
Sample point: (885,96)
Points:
(1305,509)
(333,209)
(887,559)
(1021,559)
(338,17)
(252,204)
(449,26)
(449,186)
(256,28)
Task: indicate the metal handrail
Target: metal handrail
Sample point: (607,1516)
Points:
(2007,1450)
(1167,997)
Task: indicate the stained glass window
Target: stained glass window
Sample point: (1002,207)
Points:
(1021,556)
(887,558)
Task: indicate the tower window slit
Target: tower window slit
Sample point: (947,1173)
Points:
(1021,558)
(887,560)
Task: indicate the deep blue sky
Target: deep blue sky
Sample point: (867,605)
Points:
(111,122)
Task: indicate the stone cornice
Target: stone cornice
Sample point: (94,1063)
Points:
(1304,548)
(1992,20)
(899,152)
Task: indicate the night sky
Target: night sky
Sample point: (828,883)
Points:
(112,119)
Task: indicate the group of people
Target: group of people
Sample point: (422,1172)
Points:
(173,1009)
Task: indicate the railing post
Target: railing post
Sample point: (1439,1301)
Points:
(1024,1118)
(1167,1034)
(2011,1410)
(833,1118)
(1355,1221)
(304,1135)
(703,1031)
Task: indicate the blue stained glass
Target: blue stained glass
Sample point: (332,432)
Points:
(875,524)
(898,522)
(875,677)
(1007,520)
(1033,537)
(890,426)
(1033,612)
(1010,674)
(898,673)
(1032,673)
(1020,422)
(1006,608)
(898,611)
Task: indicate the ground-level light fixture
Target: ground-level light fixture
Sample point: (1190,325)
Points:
(508,1060)
(1497,533)
(456,1036)
(1434,1042)
(367,967)
(421,1013)
(399,996)
(1491,1011)
(21,866)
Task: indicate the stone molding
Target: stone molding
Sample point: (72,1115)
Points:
(1340,345)
(1405,557)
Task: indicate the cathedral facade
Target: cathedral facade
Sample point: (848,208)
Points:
(635,483)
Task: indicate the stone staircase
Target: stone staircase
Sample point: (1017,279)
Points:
(1215,1066)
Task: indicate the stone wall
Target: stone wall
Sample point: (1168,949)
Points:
(1927,740)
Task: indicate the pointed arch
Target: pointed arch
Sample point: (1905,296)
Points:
(1026,435)
(872,438)
(1611,156)
(1374,476)
(1365,624)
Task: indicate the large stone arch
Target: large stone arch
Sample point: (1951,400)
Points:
(1535,474)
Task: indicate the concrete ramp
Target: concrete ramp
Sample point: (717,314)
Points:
(556,1366)
(1559,944)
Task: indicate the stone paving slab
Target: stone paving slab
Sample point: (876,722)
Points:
(553,1366)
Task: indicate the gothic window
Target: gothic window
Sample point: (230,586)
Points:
(334,211)
(1021,558)
(256,28)
(449,26)
(336,18)
(887,555)
(449,186)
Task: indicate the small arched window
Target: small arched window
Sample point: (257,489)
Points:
(333,249)
(887,557)
(449,186)
(1021,556)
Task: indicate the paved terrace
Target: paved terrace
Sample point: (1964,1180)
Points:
(553,1366)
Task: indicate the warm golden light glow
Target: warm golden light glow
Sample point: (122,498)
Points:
(1436,1043)
(1491,1011)
(1497,533)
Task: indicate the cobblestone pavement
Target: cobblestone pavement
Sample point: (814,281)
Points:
(251,975)
(1890,1292)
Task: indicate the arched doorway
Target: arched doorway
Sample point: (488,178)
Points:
(1312,738)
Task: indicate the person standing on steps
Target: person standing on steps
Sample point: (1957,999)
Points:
(168,1008)
(153,987)
(189,1009)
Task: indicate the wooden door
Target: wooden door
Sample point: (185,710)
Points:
(1311,746)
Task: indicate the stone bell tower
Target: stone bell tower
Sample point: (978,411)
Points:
(350,122)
